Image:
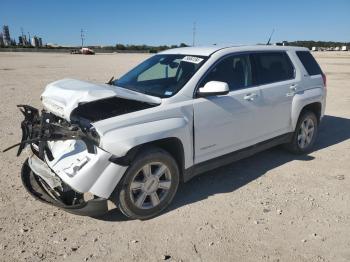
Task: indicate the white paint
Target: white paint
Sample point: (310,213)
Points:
(222,124)
(63,96)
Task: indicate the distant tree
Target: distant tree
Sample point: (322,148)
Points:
(108,47)
(309,44)
(183,45)
(132,47)
(120,47)
(163,47)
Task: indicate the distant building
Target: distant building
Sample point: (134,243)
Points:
(52,45)
(283,43)
(22,40)
(40,41)
(33,42)
(36,41)
(1,40)
(6,35)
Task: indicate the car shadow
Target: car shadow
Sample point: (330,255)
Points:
(333,130)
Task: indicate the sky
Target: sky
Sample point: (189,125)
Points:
(159,22)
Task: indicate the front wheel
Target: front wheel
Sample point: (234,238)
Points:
(149,185)
(305,133)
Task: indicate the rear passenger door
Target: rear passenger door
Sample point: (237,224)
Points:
(276,79)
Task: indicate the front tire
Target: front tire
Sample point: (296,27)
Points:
(305,134)
(149,184)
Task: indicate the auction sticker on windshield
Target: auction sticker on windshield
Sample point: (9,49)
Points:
(192,59)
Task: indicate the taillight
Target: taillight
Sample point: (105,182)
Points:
(324,80)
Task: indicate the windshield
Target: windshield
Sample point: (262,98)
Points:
(161,75)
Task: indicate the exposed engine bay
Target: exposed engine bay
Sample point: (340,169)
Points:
(106,108)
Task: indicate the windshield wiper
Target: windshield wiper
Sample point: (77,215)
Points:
(110,82)
(133,89)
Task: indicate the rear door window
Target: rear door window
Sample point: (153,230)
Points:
(309,62)
(272,67)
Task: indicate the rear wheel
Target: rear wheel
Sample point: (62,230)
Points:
(149,185)
(305,133)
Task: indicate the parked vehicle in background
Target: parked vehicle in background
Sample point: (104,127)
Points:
(87,51)
(344,48)
(178,114)
(75,52)
(84,51)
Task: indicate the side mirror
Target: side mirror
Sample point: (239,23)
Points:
(213,88)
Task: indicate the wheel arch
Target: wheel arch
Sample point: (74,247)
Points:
(311,100)
(172,145)
(315,107)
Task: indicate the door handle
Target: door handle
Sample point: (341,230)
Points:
(250,97)
(293,87)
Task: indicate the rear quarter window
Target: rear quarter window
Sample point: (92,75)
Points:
(309,63)
(272,67)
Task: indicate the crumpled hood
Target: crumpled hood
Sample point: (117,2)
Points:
(63,96)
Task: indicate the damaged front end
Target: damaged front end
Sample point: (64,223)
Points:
(65,156)
(38,129)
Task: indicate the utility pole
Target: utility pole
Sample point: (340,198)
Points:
(194,34)
(82,38)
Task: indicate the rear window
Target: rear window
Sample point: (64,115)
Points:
(272,67)
(309,63)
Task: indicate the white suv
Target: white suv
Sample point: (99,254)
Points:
(177,114)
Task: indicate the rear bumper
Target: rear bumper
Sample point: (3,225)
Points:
(36,187)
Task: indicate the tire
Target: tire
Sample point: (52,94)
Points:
(306,120)
(145,176)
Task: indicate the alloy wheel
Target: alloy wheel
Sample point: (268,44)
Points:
(306,133)
(150,185)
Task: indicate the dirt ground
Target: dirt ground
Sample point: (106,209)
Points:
(273,206)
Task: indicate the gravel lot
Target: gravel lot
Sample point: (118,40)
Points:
(270,207)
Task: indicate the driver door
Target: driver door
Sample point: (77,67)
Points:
(223,124)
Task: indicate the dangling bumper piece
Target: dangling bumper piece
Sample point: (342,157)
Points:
(65,198)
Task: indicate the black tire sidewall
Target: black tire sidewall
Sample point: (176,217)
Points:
(151,155)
